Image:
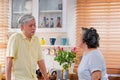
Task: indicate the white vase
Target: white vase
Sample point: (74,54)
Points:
(59,75)
(66,75)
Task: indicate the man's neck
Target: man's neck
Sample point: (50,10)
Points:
(28,37)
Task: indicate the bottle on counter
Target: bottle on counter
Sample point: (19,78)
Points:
(3,76)
(60,5)
(47,22)
(42,41)
(42,24)
(51,23)
(58,22)
(0,71)
(44,21)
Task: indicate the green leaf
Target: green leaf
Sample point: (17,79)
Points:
(65,58)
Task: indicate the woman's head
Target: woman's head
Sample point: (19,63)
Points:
(90,37)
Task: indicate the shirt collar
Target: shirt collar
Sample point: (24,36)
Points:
(24,37)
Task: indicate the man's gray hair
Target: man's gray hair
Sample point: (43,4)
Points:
(25,18)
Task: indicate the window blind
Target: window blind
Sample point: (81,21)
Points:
(104,15)
(4,5)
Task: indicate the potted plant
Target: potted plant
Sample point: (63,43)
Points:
(65,59)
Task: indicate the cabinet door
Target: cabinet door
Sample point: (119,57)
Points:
(50,15)
(18,8)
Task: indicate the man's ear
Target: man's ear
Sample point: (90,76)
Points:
(22,27)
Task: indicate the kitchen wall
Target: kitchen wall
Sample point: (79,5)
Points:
(70,27)
(71,22)
(70,33)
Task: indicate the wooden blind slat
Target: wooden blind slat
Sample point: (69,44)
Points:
(4,17)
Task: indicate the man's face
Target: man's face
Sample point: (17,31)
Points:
(29,28)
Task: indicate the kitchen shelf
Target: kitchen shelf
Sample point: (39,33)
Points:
(51,11)
(21,12)
(55,46)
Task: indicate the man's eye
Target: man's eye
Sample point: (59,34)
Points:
(30,25)
(34,24)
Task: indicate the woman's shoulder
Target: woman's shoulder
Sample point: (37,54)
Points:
(95,54)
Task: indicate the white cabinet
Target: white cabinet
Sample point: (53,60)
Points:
(50,15)
(17,9)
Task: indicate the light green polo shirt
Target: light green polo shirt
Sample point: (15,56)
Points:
(26,54)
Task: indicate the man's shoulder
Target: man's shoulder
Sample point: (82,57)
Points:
(16,35)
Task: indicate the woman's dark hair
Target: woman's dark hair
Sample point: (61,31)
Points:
(90,37)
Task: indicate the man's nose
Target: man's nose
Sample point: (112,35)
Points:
(33,27)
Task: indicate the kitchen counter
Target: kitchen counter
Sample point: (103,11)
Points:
(73,76)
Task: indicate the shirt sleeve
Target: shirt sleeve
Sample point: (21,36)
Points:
(95,63)
(12,47)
